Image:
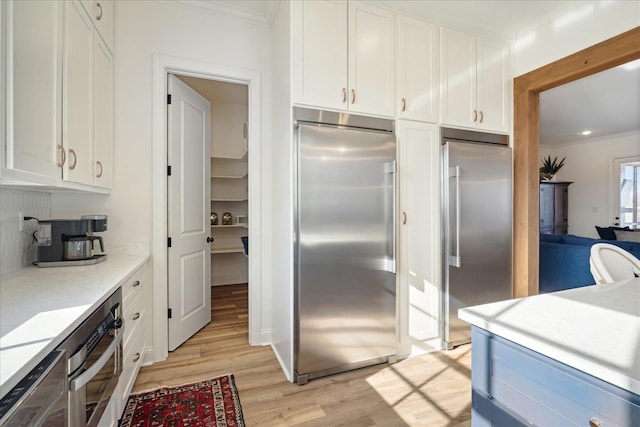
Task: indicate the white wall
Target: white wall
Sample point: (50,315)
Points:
(578,27)
(589,166)
(17,248)
(282,201)
(227,121)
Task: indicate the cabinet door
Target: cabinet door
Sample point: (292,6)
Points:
(417,89)
(320,53)
(103,114)
(371,60)
(419,223)
(493,86)
(458,78)
(102,16)
(34,86)
(547,199)
(561,202)
(78,95)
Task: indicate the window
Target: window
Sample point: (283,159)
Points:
(629,194)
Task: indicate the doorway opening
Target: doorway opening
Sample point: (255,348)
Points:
(221,164)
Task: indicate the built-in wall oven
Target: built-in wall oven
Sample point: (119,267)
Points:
(95,362)
(71,386)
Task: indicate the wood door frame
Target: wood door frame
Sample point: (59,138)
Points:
(163,65)
(602,56)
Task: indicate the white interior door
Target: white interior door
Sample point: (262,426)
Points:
(189,193)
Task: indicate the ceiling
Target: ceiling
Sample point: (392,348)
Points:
(606,103)
(217,91)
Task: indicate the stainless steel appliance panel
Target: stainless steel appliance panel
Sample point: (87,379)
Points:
(477,187)
(345,248)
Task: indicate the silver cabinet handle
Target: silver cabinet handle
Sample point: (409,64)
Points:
(99,164)
(136,283)
(135,316)
(344,95)
(63,154)
(75,159)
(481,116)
(81,380)
(136,357)
(353,96)
(404,104)
(99,15)
(404,218)
(475,115)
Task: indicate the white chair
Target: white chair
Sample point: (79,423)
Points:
(610,263)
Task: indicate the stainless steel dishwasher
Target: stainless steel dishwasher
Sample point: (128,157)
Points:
(40,398)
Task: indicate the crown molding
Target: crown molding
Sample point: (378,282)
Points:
(217,8)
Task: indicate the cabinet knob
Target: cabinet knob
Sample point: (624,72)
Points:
(404,104)
(137,357)
(136,283)
(135,316)
(99,8)
(404,218)
(99,164)
(475,115)
(353,96)
(75,159)
(481,116)
(344,95)
(594,422)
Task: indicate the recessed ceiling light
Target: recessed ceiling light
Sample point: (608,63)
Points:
(585,132)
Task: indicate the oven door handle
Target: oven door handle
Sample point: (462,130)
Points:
(81,380)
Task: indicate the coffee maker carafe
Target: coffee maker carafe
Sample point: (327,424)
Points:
(64,242)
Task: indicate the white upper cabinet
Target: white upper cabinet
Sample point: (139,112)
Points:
(33,88)
(101,13)
(474,82)
(344,56)
(78,98)
(371,59)
(320,53)
(103,114)
(417,84)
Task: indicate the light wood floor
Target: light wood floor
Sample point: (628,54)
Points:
(428,390)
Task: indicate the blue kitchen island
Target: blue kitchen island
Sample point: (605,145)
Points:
(560,359)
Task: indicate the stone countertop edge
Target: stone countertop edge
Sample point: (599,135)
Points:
(40,307)
(595,329)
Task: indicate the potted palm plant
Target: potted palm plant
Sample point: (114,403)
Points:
(550,167)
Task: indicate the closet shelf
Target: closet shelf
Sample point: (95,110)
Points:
(230,176)
(227,250)
(230,200)
(230,226)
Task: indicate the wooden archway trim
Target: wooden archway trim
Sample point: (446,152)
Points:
(607,54)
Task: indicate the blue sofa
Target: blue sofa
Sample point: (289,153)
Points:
(564,260)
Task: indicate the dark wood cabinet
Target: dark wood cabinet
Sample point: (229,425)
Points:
(554,207)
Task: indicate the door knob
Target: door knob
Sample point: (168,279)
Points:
(210,239)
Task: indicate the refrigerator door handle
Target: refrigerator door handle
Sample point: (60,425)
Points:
(390,169)
(454,258)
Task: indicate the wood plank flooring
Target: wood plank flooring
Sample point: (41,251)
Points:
(428,390)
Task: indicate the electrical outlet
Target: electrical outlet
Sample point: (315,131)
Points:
(20,221)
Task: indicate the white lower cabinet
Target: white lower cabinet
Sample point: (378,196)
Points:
(419,237)
(136,295)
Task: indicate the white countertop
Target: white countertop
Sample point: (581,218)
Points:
(40,307)
(595,329)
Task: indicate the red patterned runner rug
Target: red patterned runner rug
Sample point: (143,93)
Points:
(210,403)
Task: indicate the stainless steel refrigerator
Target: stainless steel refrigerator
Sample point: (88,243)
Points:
(345,265)
(477,225)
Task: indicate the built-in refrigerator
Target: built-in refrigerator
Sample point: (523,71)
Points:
(345,251)
(477,225)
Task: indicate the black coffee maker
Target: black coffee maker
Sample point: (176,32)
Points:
(64,242)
